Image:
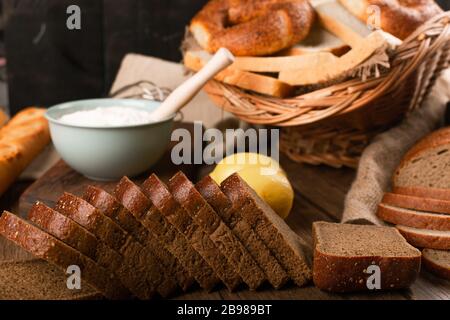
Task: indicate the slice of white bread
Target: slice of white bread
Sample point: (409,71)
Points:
(416,203)
(422,238)
(196,59)
(437,262)
(433,193)
(413,218)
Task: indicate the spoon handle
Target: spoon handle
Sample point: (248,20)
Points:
(188,89)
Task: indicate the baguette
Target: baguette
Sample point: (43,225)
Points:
(44,246)
(21,140)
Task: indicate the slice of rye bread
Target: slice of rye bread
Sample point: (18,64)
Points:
(284,244)
(132,198)
(209,221)
(73,234)
(416,203)
(109,206)
(39,280)
(138,264)
(423,238)
(344,252)
(44,246)
(433,193)
(413,218)
(437,262)
(64,228)
(429,167)
(211,192)
(176,215)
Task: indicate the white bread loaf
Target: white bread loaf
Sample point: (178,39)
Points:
(21,140)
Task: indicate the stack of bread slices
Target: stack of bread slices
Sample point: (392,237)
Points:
(419,204)
(158,239)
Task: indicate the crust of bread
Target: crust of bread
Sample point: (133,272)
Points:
(417,203)
(433,193)
(422,238)
(433,266)
(397,17)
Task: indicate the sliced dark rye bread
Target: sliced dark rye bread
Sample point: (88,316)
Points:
(64,228)
(422,238)
(343,252)
(44,246)
(429,167)
(416,203)
(176,215)
(74,235)
(437,262)
(413,218)
(211,192)
(139,268)
(109,205)
(433,193)
(209,221)
(283,243)
(132,198)
(39,280)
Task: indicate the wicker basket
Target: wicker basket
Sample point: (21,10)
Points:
(333,125)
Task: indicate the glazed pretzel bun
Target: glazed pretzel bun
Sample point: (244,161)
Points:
(398,17)
(252,28)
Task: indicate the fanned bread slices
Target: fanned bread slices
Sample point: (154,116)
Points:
(211,192)
(44,246)
(39,280)
(140,241)
(106,203)
(423,238)
(417,203)
(220,234)
(141,268)
(283,243)
(132,198)
(437,261)
(344,252)
(414,218)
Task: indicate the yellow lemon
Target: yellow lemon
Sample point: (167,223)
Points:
(263,174)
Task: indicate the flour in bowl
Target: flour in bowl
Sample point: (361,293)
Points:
(108,117)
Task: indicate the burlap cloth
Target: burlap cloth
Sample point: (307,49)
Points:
(382,156)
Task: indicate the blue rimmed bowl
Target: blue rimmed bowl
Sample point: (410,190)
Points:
(109,153)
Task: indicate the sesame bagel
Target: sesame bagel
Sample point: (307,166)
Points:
(398,17)
(252,28)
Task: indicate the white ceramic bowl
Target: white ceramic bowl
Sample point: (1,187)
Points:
(109,153)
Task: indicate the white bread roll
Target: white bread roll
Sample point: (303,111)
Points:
(21,140)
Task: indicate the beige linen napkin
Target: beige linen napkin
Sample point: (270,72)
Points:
(382,156)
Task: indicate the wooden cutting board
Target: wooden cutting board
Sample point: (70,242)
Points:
(61,178)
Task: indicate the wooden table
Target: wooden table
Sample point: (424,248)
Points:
(319,195)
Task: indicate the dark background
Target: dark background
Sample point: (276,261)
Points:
(48,64)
